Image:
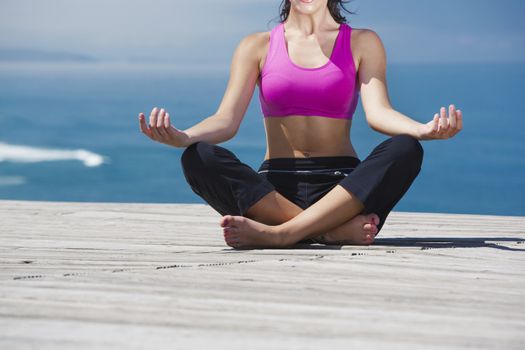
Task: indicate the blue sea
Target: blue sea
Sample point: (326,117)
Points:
(69,132)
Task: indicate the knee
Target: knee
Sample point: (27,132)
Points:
(197,154)
(408,149)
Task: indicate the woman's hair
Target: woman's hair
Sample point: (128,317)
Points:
(334,6)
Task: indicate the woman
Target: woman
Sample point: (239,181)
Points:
(311,186)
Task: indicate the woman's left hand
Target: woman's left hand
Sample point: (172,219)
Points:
(441,127)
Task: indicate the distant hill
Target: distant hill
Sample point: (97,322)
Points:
(32,55)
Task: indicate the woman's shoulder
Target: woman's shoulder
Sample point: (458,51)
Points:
(364,36)
(253,47)
(255,41)
(366,42)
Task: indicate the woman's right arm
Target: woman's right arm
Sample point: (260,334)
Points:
(224,124)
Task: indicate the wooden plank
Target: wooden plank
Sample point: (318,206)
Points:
(136,275)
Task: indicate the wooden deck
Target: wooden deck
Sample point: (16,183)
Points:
(136,276)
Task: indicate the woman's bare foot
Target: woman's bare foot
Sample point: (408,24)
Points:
(242,232)
(360,230)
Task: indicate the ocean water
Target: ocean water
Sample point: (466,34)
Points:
(70,133)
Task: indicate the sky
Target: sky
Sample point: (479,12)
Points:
(207,31)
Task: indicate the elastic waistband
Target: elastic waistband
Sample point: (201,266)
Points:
(310,163)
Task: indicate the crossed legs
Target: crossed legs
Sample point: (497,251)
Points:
(275,209)
(232,188)
(335,208)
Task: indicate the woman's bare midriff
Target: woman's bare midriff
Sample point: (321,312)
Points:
(307,136)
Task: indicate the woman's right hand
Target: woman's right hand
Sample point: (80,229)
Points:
(161,130)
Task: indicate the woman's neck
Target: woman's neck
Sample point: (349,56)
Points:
(309,24)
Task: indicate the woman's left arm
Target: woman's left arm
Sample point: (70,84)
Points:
(380,114)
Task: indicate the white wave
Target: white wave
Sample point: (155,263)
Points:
(12,180)
(27,154)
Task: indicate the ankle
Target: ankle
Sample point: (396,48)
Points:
(286,236)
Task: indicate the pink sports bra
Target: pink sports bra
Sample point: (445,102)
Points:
(288,89)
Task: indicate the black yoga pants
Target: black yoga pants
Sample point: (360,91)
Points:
(231,187)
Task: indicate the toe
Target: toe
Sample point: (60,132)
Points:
(231,244)
(237,220)
(231,239)
(374,218)
(225,220)
(369,227)
(369,239)
(229,230)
